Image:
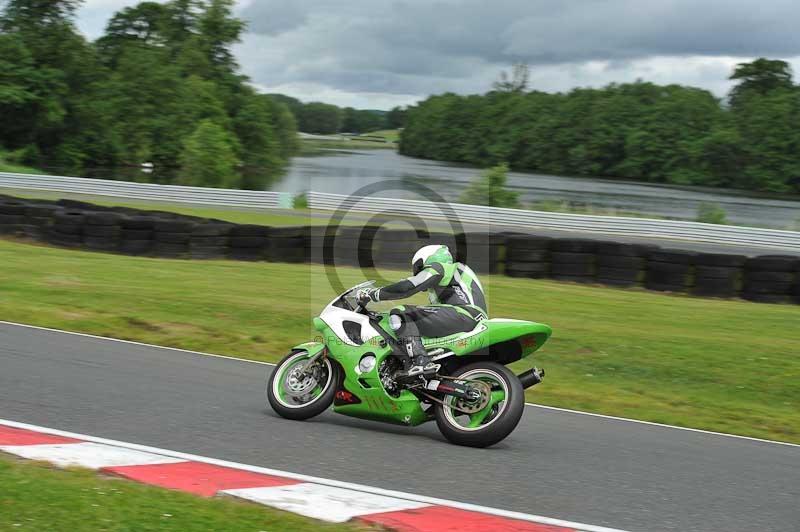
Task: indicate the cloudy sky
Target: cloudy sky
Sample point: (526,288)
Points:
(382,53)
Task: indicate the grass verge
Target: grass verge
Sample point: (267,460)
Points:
(37,497)
(729,366)
(6,166)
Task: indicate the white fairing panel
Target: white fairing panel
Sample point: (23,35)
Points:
(335,316)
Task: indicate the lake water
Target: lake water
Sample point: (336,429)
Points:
(349,172)
(389,174)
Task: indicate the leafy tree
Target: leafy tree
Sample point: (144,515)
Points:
(516,81)
(320,118)
(142,24)
(490,189)
(219,30)
(209,158)
(759,78)
(285,127)
(396,118)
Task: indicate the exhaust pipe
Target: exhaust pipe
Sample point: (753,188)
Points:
(532,377)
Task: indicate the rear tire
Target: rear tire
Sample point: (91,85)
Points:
(501,420)
(309,397)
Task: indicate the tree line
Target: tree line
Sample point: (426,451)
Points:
(643,131)
(161,85)
(326,119)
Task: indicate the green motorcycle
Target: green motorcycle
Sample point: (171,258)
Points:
(475,400)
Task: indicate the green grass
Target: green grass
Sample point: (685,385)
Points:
(309,147)
(392,135)
(6,166)
(36,497)
(730,366)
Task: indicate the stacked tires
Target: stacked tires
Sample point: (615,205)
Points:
(67,228)
(137,235)
(248,242)
(717,275)
(288,244)
(39,219)
(527,256)
(395,248)
(483,252)
(352,246)
(12,216)
(668,270)
(210,240)
(622,265)
(171,237)
(102,231)
(771,279)
(573,259)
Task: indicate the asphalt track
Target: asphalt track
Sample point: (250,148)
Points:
(571,466)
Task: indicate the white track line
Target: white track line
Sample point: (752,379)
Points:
(317,480)
(534,405)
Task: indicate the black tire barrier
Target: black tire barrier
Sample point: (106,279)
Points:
(620,249)
(719,259)
(75,224)
(41,211)
(622,262)
(665,287)
(212,230)
(248,242)
(137,234)
(519,242)
(207,252)
(135,247)
(531,270)
(13,207)
(249,230)
(249,254)
(172,226)
(630,276)
(101,244)
(529,255)
(171,238)
(574,245)
(712,272)
(773,263)
(138,222)
(108,231)
(102,219)
(671,256)
(169,249)
(714,287)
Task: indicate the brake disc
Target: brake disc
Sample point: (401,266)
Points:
(470,407)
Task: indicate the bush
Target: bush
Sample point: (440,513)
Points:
(711,213)
(489,189)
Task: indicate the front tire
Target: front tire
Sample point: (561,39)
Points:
(298,397)
(496,420)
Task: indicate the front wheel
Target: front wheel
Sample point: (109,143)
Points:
(295,392)
(491,418)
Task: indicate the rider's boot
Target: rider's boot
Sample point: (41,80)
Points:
(417,361)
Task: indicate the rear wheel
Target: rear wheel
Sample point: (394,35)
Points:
(491,418)
(296,392)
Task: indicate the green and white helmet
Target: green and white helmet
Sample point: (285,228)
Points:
(430,255)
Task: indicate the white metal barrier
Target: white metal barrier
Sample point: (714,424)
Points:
(147,191)
(609,225)
(465,214)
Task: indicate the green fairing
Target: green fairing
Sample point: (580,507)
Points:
(406,409)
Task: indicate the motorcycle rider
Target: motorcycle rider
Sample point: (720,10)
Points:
(457,304)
